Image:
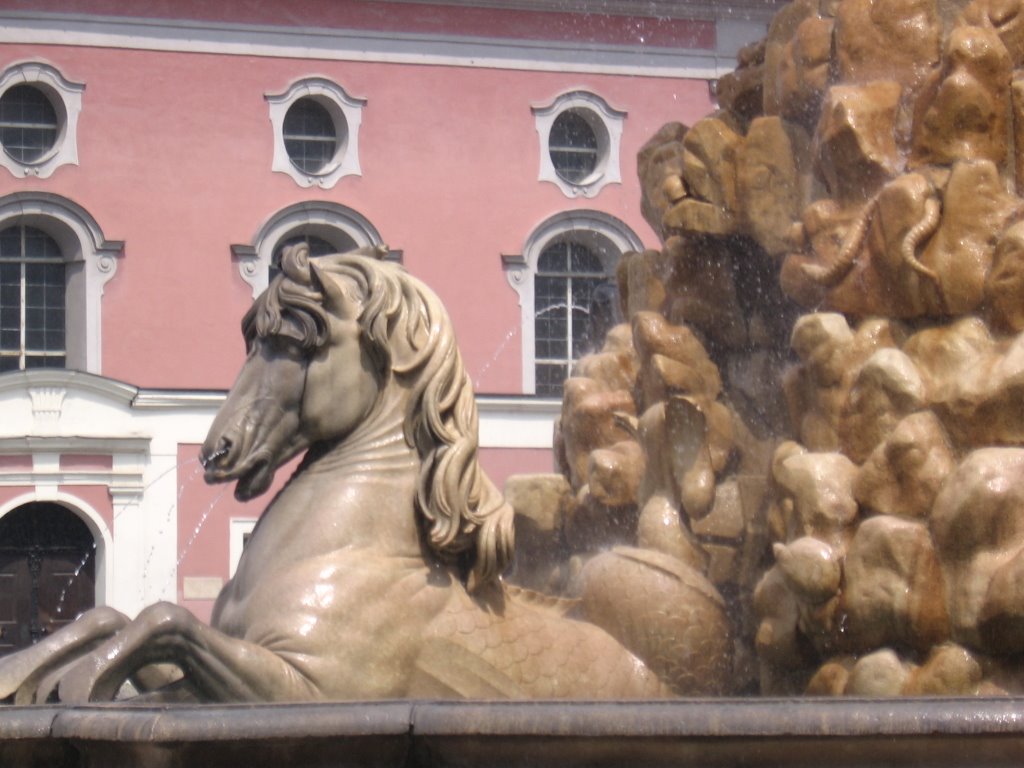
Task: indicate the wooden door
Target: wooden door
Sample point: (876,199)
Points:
(47,572)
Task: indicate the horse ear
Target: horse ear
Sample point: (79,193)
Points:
(329,286)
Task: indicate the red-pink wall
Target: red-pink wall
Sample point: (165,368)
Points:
(175,152)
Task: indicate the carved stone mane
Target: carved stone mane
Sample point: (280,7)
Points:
(409,337)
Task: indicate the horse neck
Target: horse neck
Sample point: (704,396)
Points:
(376,473)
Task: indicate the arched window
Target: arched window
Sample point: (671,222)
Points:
(327,227)
(54,262)
(565,279)
(568,312)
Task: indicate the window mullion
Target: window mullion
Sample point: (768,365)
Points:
(22,279)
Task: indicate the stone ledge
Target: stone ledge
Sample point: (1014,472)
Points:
(710,732)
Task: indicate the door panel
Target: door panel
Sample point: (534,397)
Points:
(47,572)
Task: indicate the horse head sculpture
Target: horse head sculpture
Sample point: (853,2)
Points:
(342,349)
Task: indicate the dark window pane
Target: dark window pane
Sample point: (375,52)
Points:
(10,243)
(584,261)
(9,363)
(38,275)
(28,123)
(54,361)
(310,135)
(573,146)
(550,378)
(568,323)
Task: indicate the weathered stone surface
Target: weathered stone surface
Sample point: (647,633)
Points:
(812,569)
(1004,284)
(819,487)
(977,525)
(770,188)
(894,39)
(950,670)
(877,675)
(660,166)
(902,476)
(963,110)
(856,150)
(893,586)
(540,503)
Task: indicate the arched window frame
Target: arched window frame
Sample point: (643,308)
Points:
(607,123)
(66,98)
(90,259)
(605,235)
(322,219)
(342,108)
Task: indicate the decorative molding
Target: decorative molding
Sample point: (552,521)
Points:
(69,380)
(47,403)
(603,119)
(347,115)
(66,99)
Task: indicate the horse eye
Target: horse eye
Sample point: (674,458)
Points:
(287,345)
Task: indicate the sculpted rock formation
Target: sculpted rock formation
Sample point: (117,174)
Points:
(819,381)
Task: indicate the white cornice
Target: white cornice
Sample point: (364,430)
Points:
(10,446)
(659,9)
(358,45)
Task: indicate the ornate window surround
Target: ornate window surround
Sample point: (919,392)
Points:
(324,219)
(605,235)
(66,98)
(607,124)
(345,110)
(91,260)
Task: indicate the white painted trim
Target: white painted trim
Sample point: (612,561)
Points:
(66,99)
(93,520)
(237,528)
(347,115)
(32,28)
(606,235)
(517,423)
(702,10)
(606,122)
(79,381)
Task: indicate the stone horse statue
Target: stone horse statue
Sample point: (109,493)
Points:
(374,573)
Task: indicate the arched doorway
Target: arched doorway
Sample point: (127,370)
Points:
(47,572)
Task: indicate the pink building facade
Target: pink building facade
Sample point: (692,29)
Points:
(186,144)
